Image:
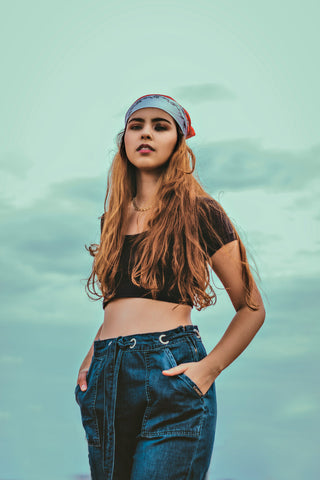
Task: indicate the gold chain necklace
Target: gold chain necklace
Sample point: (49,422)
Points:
(136,206)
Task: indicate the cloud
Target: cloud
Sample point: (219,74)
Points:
(45,261)
(10,360)
(244,164)
(308,201)
(49,236)
(78,191)
(296,297)
(43,254)
(301,405)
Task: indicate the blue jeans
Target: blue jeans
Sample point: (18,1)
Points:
(139,423)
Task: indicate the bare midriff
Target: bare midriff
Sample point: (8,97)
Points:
(129,316)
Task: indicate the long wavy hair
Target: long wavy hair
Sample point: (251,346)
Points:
(173,232)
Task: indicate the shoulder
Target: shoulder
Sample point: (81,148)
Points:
(208,202)
(215,226)
(208,206)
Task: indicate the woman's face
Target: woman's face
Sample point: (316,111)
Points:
(154,127)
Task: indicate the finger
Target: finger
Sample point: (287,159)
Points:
(175,370)
(82,380)
(82,384)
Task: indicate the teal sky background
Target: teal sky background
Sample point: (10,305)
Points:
(248,74)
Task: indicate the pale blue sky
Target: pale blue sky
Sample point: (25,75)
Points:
(247,72)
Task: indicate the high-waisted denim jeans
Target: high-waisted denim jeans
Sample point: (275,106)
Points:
(139,423)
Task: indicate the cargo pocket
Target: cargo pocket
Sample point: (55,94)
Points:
(174,407)
(87,402)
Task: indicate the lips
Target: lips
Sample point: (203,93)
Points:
(146,146)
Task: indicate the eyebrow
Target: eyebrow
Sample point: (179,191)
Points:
(153,120)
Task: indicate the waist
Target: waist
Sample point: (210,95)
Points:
(128,316)
(148,341)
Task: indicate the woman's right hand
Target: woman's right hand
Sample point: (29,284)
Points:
(82,378)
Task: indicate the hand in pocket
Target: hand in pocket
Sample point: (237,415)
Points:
(196,371)
(82,378)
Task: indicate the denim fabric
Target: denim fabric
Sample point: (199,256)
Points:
(139,423)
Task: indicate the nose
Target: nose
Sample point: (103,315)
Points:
(146,131)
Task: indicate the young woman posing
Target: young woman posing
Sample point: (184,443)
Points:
(146,388)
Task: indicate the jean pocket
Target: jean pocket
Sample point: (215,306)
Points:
(87,401)
(187,381)
(173,406)
(76,392)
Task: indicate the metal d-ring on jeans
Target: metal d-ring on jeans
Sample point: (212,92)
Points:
(139,423)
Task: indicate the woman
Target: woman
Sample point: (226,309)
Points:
(146,388)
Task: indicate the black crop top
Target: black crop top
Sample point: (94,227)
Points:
(126,288)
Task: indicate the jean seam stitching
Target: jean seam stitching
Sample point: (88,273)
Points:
(95,439)
(198,442)
(147,412)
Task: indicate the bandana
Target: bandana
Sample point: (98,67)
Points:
(169,105)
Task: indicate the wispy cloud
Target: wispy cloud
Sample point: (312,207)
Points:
(244,164)
(10,359)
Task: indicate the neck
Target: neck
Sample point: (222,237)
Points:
(147,185)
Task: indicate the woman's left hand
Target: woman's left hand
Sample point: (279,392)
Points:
(197,371)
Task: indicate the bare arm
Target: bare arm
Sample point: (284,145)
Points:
(226,263)
(82,375)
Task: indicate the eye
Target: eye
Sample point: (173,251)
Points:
(158,126)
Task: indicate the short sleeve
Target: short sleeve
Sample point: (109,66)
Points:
(219,220)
